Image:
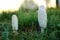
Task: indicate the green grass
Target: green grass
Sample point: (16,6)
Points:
(28,25)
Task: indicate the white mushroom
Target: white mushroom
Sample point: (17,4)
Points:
(42,17)
(14,23)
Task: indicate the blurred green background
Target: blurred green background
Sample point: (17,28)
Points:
(28,24)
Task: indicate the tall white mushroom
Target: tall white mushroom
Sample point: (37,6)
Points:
(14,23)
(42,17)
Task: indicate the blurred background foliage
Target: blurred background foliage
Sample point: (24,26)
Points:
(28,24)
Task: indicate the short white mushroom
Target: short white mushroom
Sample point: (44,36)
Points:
(14,23)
